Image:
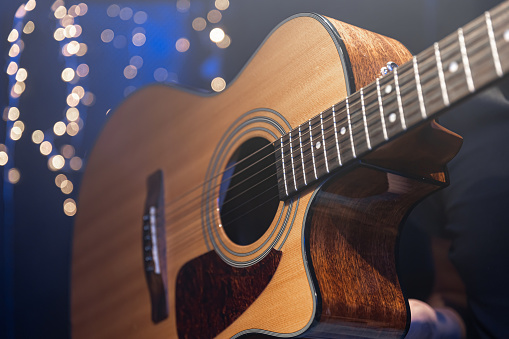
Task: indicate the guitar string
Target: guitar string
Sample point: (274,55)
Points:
(271,165)
(260,193)
(402,74)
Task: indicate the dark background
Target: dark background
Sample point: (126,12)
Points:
(36,234)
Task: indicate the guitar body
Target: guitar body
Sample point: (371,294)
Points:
(320,264)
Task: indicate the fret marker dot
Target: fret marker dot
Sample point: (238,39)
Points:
(318,145)
(388,89)
(453,67)
(392,117)
(506,35)
(343,130)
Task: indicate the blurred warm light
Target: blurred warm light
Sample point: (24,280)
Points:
(37,136)
(79,90)
(136,61)
(13,36)
(13,114)
(139,39)
(72,114)
(45,147)
(218,84)
(29,27)
(107,35)
(83,50)
(78,31)
(67,151)
(70,207)
(67,20)
(70,31)
(14,51)
(59,179)
(30,5)
(214,16)
(64,51)
(183,5)
(160,74)
(83,9)
(12,68)
(82,70)
(56,162)
(67,187)
(67,74)
(225,42)
(19,87)
(16,133)
(73,47)
(21,74)
(140,17)
(14,94)
(138,30)
(216,35)
(182,45)
(113,10)
(88,99)
(199,24)
(13,175)
(4,158)
(73,100)
(60,12)
(59,128)
(222,4)
(74,11)
(126,13)
(19,124)
(76,163)
(130,72)
(72,128)
(56,4)
(59,34)
(20,12)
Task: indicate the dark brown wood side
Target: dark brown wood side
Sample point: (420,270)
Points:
(369,52)
(351,241)
(211,295)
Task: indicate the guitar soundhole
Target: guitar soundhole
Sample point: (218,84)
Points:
(248,198)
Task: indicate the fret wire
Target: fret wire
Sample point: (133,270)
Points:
(350,127)
(336,134)
(324,147)
(398,96)
(302,157)
(364,119)
(493,45)
(381,108)
(466,63)
(284,171)
(441,74)
(419,88)
(312,151)
(291,153)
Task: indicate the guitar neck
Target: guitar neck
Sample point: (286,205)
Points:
(451,70)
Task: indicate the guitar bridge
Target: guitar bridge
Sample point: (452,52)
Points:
(154,247)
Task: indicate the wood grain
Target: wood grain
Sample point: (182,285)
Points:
(211,295)
(296,74)
(177,132)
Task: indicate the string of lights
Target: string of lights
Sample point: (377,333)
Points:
(60,143)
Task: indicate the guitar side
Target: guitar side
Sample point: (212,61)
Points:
(301,69)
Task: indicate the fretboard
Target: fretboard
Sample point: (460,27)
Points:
(458,66)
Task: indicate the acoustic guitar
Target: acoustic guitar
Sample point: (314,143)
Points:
(273,208)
